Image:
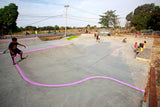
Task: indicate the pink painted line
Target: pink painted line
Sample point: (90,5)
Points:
(9,40)
(114,49)
(47,48)
(73,83)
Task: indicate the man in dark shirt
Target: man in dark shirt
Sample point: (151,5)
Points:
(14,50)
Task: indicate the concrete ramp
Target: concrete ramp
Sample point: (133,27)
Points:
(145,55)
(87,34)
(25,41)
(30,41)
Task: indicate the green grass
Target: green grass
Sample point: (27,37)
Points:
(46,39)
(72,37)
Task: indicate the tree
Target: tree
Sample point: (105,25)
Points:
(8,17)
(2,21)
(56,27)
(95,27)
(154,23)
(49,28)
(109,19)
(129,16)
(31,28)
(143,16)
(88,27)
(19,29)
(62,28)
(69,27)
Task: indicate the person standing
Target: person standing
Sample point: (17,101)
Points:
(36,32)
(135,46)
(98,38)
(136,35)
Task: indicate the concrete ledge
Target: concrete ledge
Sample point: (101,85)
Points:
(145,55)
(88,34)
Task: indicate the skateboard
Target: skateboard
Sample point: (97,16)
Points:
(22,59)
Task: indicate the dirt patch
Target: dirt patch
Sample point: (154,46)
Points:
(149,36)
(47,38)
(155,62)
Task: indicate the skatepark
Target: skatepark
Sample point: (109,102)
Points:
(75,73)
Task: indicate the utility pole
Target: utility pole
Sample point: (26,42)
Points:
(66,6)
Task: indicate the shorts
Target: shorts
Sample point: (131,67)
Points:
(16,51)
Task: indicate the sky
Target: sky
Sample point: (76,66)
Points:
(80,13)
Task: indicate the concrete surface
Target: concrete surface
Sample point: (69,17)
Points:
(28,42)
(84,58)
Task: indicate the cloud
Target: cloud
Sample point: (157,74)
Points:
(33,1)
(78,8)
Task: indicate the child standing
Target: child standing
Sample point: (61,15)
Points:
(136,35)
(144,45)
(135,46)
(98,38)
(14,50)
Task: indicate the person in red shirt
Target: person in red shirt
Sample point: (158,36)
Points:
(135,46)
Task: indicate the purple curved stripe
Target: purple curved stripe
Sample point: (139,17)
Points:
(73,83)
(114,49)
(47,48)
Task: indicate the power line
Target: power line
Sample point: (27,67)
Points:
(81,20)
(70,17)
(83,10)
(25,15)
(42,2)
(33,16)
(82,17)
(57,4)
(44,19)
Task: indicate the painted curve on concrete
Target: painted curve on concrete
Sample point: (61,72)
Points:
(73,83)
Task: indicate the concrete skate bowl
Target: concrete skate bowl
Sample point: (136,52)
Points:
(85,71)
(61,66)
